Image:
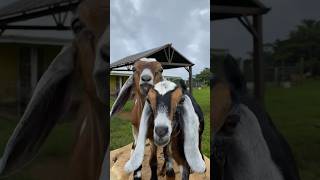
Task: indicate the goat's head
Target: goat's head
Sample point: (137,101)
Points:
(165,100)
(168,104)
(146,73)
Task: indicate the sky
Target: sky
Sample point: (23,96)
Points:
(139,25)
(284,16)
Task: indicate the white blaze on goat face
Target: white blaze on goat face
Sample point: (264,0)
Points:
(164,86)
(146,73)
(162,121)
(148,59)
(161,102)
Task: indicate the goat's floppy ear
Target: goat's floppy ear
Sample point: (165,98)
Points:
(191,125)
(137,156)
(49,101)
(221,105)
(123,96)
(101,66)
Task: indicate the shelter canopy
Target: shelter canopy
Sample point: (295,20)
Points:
(22,10)
(222,9)
(167,55)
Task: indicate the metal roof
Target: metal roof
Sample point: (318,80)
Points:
(18,39)
(222,9)
(167,55)
(27,9)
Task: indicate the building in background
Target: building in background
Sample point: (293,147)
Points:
(32,33)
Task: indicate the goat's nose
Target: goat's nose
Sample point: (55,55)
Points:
(161,131)
(146,78)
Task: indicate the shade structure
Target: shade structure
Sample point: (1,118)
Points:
(249,13)
(167,55)
(22,10)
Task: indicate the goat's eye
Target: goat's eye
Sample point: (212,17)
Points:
(134,69)
(181,100)
(161,70)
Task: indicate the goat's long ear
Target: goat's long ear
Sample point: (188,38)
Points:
(191,125)
(221,104)
(123,96)
(101,67)
(49,101)
(137,156)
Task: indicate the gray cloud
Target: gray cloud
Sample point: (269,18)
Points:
(284,16)
(138,25)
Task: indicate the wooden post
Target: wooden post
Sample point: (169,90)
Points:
(258,59)
(33,67)
(190,79)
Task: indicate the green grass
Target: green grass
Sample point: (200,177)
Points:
(121,128)
(296,113)
(56,149)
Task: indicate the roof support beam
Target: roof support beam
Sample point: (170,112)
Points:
(258,60)
(218,9)
(248,25)
(190,79)
(22,27)
(44,12)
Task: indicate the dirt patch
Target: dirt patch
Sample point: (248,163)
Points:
(120,156)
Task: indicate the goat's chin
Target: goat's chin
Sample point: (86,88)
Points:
(144,89)
(161,142)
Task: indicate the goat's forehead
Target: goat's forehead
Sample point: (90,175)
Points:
(147,63)
(148,59)
(163,87)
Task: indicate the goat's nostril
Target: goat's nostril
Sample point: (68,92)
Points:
(146,78)
(161,131)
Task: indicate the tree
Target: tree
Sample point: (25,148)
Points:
(303,44)
(203,76)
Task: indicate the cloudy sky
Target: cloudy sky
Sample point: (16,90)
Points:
(284,16)
(139,25)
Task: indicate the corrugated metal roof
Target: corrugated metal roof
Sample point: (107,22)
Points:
(242,3)
(222,9)
(158,53)
(23,6)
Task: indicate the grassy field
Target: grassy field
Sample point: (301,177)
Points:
(121,128)
(295,111)
(52,161)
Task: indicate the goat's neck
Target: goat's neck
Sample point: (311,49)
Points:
(137,109)
(249,155)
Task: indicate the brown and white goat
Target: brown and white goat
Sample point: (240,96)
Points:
(84,63)
(146,73)
(171,117)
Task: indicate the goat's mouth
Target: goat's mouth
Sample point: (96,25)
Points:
(144,88)
(161,142)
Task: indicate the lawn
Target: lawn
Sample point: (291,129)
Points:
(52,161)
(296,113)
(121,128)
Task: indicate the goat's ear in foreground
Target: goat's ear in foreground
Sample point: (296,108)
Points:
(137,156)
(48,103)
(123,96)
(191,136)
(100,67)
